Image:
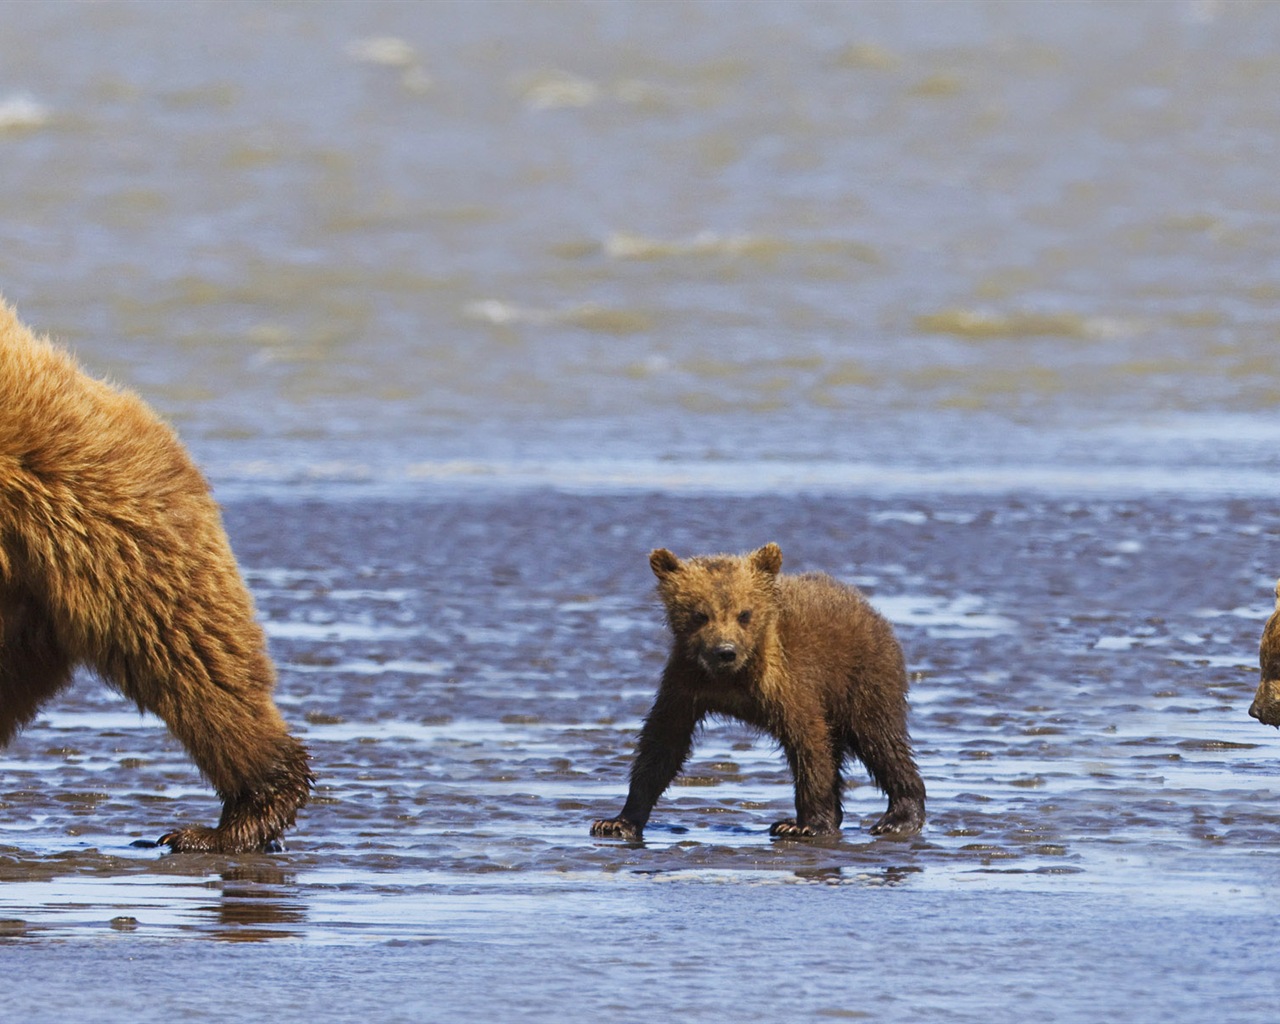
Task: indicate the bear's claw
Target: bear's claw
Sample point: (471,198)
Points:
(199,839)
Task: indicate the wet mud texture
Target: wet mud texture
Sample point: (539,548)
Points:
(470,671)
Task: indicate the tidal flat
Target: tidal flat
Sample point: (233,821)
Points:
(470,670)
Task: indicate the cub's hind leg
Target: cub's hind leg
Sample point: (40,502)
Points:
(893,768)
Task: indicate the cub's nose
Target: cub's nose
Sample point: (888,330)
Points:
(1253,711)
(726,654)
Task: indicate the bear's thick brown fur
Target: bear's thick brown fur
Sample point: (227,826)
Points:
(1266,702)
(113,556)
(804,658)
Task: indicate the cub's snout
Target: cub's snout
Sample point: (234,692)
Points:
(721,657)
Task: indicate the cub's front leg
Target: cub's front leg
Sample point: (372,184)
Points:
(817,777)
(665,742)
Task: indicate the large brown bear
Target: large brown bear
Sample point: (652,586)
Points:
(803,658)
(113,556)
(1266,702)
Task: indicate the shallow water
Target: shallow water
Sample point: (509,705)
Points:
(470,669)
(465,307)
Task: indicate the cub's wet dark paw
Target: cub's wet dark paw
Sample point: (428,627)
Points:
(146,844)
(790,829)
(615,828)
(900,822)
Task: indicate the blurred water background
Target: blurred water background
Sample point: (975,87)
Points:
(371,237)
(465,306)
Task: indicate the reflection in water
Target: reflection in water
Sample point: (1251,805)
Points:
(257,903)
(840,876)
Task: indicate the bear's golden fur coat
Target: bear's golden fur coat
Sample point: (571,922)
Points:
(803,658)
(113,556)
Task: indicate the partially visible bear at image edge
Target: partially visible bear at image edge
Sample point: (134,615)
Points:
(113,556)
(803,658)
(1266,702)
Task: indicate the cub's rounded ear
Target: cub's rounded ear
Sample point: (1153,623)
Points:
(768,559)
(663,562)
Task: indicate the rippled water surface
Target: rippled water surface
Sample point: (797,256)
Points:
(467,306)
(910,235)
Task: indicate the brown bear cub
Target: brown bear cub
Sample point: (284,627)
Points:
(1266,702)
(113,556)
(803,658)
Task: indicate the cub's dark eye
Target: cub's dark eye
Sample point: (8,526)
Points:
(698,619)
(744,617)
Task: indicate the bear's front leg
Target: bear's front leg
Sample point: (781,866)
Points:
(256,814)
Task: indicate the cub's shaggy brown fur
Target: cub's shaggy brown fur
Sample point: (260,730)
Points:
(1266,702)
(803,658)
(113,556)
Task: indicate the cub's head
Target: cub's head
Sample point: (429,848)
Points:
(720,607)
(1266,702)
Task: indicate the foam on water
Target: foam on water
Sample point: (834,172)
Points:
(620,475)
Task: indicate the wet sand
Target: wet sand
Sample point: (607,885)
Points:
(469,669)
